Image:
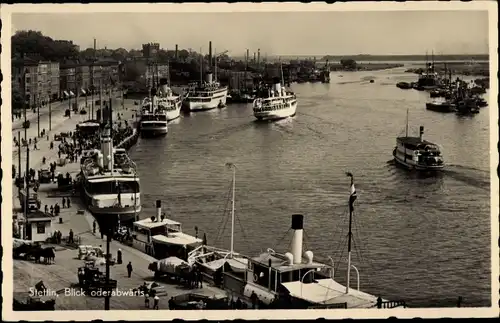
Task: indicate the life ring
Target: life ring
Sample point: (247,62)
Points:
(255,278)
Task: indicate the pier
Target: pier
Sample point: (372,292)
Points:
(60,277)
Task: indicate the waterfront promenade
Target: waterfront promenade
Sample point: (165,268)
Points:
(62,275)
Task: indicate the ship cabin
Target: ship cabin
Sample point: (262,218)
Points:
(87,129)
(206,91)
(161,237)
(153,117)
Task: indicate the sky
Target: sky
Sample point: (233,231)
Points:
(275,33)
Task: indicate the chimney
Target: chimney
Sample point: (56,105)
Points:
(158,210)
(248,54)
(258,56)
(421,132)
(176,51)
(254,59)
(210,55)
(298,227)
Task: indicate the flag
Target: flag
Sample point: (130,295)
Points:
(353,195)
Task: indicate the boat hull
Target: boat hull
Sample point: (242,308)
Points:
(444,108)
(125,213)
(276,114)
(153,131)
(409,164)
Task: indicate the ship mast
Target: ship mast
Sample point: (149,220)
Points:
(215,65)
(352,198)
(201,67)
(233,167)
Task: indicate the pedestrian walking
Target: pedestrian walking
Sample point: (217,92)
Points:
(129,269)
(71,236)
(52,210)
(68,202)
(156,302)
(46,209)
(146,300)
(64,202)
(171,303)
(93,227)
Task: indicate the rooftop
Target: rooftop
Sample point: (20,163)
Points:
(178,238)
(148,224)
(328,291)
(38,215)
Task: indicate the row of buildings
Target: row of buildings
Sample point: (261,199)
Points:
(40,80)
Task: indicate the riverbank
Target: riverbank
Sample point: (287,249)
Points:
(365,67)
(460,68)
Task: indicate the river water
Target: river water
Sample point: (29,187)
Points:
(425,240)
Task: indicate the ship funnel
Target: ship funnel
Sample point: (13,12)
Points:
(164,88)
(277,85)
(298,227)
(421,132)
(209,78)
(158,210)
(107,148)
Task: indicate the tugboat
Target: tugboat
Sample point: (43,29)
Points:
(415,153)
(275,103)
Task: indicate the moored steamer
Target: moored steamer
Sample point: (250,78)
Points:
(110,184)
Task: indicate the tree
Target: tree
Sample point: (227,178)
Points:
(34,42)
(348,64)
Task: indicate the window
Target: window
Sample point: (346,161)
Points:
(40,227)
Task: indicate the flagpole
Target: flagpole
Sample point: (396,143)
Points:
(352,197)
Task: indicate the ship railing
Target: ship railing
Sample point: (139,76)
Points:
(390,304)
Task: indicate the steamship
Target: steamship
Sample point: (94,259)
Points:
(415,153)
(169,102)
(206,95)
(153,120)
(109,181)
(161,237)
(275,103)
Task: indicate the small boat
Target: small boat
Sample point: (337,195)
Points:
(415,153)
(443,106)
(404,85)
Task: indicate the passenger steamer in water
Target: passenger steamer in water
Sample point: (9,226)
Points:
(109,181)
(275,103)
(169,102)
(207,95)
(153,117)
(416,153)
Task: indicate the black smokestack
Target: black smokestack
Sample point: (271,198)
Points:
(297,222)
(176,52)
(258,56)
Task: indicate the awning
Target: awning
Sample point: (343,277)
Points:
(83,91)
(71,93)
(66,93)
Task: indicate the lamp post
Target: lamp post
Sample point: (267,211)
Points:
(50,109)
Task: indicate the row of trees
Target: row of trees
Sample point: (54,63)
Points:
(34,42)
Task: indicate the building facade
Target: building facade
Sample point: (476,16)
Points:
(67,83)
(35,80)
(150,50)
